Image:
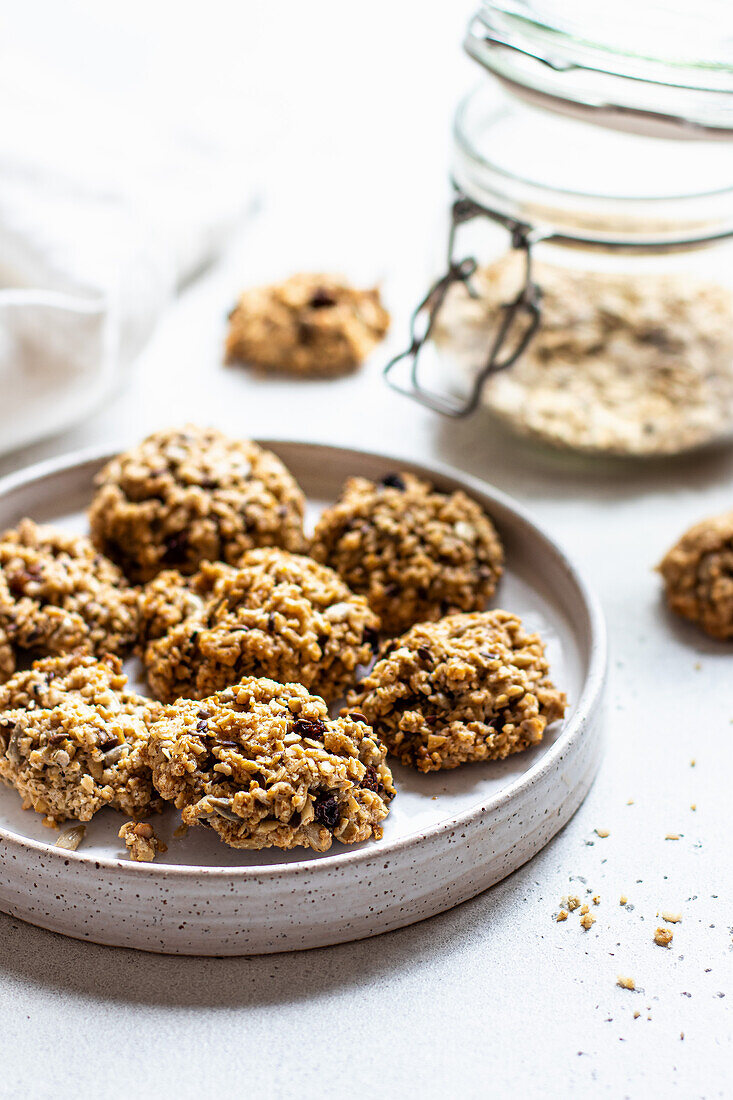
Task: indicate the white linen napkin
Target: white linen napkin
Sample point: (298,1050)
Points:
(102,215)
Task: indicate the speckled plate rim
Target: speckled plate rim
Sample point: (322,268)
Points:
(442,476)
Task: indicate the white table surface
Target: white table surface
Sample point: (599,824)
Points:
(351,108)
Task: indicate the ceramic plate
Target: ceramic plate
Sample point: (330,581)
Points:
(448,835)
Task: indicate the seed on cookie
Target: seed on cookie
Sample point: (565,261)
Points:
(187,496)
(414,552)
(278,615)
(485,693)
(72,738)
(57,594)
(267,767)
(698,576)
(310,325)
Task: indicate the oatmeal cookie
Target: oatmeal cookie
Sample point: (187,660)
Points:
(72,739)
(183,497)
(315,325)
(141,841)
(467,688)
(58,594)
(698,575)
(264,766)
(165,602)
(278,615)
(415,553)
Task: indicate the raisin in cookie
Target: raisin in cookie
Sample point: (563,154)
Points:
(183,497)
(698,575)
(415,553)
(278,615)
(467,688)
(264,766)
(313,325)
(57,594)
(72,739)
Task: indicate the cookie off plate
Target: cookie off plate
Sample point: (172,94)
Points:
(449,835)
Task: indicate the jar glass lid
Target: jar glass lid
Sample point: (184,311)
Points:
(570,178)
(660,66)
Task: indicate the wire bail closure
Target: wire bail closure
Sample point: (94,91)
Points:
(524,310)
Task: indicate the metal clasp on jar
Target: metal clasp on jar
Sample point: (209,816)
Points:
(520,320)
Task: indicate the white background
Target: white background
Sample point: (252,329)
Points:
(340,114)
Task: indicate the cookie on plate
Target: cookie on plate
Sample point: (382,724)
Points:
(187,496)
(466,688)
(278,615)
(264,766)
(166,601)
(414,552)
(309,325)
(72,739)
(698,576)
(57,593)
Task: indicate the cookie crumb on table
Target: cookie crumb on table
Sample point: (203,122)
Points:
(671,918)
(308,325)
(663,937)
(141,841)
(562,915)
(626,983)
(603,833)
(587,921)
(623,900)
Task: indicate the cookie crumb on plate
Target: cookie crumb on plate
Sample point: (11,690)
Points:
(141,841)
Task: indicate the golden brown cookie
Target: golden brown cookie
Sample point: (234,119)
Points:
(698,576)
(467,688)
(57,593)
(183,497)
(278,615)
(263,765)
(315,325)
(72,739)
(415,553)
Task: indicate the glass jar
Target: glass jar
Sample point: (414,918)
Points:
(588,295)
